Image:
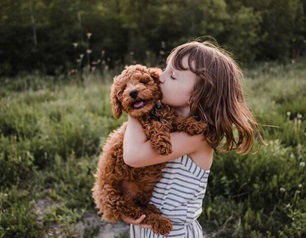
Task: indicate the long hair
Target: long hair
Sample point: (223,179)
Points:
(218,98)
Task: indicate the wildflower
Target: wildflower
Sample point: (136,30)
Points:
(299,116)
(282,190)
(96,62)
(88,51)
(302,164)
(81,56)
(300,185)
(88,35)
(75,44)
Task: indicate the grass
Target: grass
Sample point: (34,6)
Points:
(52,129)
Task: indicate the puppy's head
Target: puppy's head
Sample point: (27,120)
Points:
(135,91)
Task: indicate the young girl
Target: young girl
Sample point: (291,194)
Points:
(203,81)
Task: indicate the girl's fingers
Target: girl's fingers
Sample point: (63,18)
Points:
(137,221)
(134,222)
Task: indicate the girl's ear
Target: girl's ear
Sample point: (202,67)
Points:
(155,73)
(116,104)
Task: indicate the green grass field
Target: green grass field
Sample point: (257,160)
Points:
(52,129)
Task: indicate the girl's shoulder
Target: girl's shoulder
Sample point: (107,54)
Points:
(203,156)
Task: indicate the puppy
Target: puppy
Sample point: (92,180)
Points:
(119,189)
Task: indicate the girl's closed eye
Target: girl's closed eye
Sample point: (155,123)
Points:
(172,77)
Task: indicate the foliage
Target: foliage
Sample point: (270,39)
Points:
(16,218)
(52,128)
(52,36)
(262,194)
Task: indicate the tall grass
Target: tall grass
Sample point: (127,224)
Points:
(52,129)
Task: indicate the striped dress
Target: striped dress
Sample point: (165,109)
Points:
(179,195)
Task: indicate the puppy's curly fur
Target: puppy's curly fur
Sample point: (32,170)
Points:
(119,189)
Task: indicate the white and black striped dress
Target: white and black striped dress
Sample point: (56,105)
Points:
(179,195)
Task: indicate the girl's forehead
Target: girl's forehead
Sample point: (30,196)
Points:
(173,61)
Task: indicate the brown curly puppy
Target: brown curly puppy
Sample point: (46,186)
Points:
(119,189)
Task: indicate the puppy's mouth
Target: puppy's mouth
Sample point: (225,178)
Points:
(139,104)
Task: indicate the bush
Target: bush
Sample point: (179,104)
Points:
(16,216)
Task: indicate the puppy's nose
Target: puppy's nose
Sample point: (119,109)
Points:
(134,94)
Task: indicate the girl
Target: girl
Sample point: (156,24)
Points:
(203,81)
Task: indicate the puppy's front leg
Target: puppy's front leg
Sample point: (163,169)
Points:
(160,137)
(189,125)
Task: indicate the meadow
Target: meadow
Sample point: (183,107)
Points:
(52,129)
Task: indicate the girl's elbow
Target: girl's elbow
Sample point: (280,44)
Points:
(129,159)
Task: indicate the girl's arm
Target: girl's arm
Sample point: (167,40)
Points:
(138,152)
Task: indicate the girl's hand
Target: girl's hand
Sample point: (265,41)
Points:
(137,221)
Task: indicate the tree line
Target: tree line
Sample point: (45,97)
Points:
(54,36)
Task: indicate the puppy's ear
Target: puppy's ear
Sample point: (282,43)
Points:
(155,73)
(116,104)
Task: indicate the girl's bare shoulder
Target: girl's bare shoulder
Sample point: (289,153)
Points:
(203,156)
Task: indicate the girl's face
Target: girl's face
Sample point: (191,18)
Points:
(177,87)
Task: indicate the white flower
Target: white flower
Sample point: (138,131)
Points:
(302,164)
(89,35)
(282,190)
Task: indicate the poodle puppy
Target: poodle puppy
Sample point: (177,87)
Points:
(119,189)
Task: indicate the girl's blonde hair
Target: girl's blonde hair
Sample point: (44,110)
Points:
(218,97)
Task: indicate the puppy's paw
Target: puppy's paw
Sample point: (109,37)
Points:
(195,128)
(162,226)
(162,144)
(190,125)
(164,149)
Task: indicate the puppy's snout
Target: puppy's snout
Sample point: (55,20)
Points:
(134,94)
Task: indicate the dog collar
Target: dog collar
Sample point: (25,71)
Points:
(158,104)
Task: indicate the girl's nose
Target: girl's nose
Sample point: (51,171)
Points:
(161,77)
